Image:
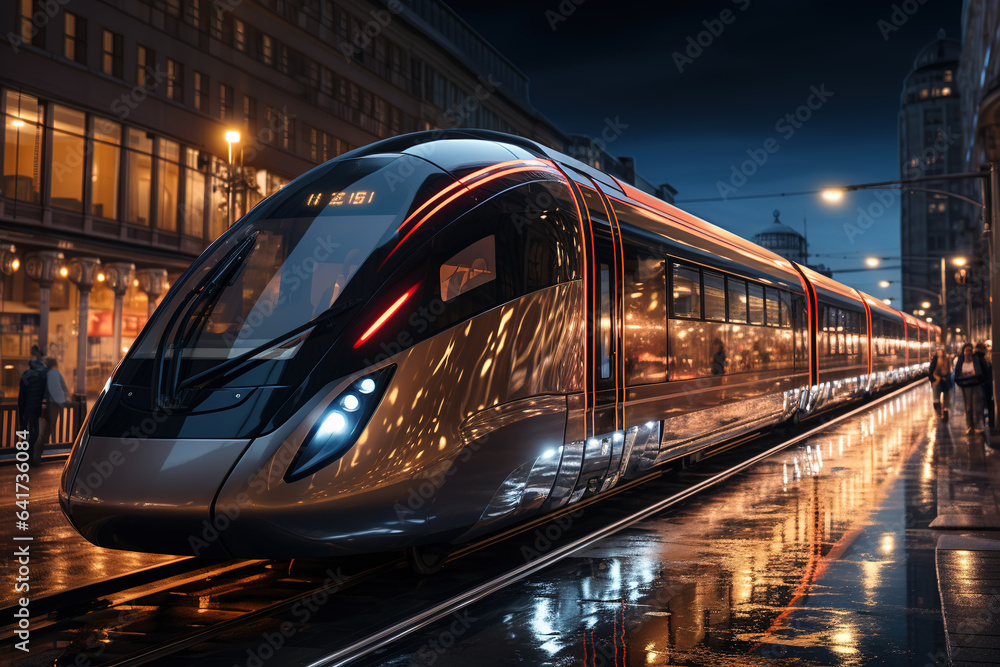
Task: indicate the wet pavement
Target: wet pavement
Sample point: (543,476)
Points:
(60,557)
(830,552)
(820,555)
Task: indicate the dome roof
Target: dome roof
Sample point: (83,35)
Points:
(941,50)
(777,227)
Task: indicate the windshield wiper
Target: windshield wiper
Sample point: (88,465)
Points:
(251,357)
(201,298)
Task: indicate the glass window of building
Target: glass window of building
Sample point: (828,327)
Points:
(226,102)
(75,37)
(26,28)
(192,13)
(218,205)
(106,156)
(249,116)
(715,296)
(138,176)
(175,80)
(239,35)
(22,147)
(737,300)
(111,53)
(168,172)
(201,92)
(194,195)
(173,7)
(266,49)
(66,183)
(686,291)
(145,71)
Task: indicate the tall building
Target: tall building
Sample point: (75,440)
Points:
(118,164)
(932,225)
(979,83)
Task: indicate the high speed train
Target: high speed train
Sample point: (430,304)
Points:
(441,334)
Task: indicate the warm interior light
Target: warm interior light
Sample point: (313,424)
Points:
(959,261)
(17,122)
(100,277)
(872,261)
(16,264)
(135,282)
(232,136)
(64,272)
(832,194)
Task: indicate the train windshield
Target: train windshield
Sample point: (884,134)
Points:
(285,264)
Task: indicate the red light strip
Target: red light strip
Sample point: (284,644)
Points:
(385,316)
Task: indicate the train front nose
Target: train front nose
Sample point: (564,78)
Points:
(147,495)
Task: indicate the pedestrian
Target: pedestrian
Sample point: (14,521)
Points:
(55,401)
(719,361)
(981,354)
(969,376)
(30,395)
(941,381)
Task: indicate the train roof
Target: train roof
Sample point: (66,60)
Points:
(880,308)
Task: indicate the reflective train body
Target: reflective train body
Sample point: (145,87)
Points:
(441,334)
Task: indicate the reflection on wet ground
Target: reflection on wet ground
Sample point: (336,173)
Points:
(60,557)
(820,554)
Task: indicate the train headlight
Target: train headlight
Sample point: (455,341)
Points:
(339,426)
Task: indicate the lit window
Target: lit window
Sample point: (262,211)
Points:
(923,93)
(472,267)
(239,35)
(111,55)
(946,91)
(947,75)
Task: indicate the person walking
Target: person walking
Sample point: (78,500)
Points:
(981,354)
(969,376)
(940,378)
(30,394)
(55,401)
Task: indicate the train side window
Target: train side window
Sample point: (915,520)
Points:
(756,296)
(686,291)
(772,306)
(715,296)
(737,300)
(645,317)
(786,308)
(468,269)
(605,321)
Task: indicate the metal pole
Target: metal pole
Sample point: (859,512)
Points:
(944,304)
(83,318)
(230,211)
(993,213)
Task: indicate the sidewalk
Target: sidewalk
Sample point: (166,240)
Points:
(968,548)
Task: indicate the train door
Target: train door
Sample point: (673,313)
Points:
(604,438)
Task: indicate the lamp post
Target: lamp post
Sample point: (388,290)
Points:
(233,137)
(83,272)
(942,296)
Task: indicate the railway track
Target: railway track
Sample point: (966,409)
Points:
(199,610)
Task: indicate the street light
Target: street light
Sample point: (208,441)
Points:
(884,283)
(887,301)
(872,261)
(232,137)
(925,304)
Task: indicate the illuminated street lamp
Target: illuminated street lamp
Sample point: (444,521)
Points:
(887,301)
(872,261)
(925,304)
(233,137)
(884,283)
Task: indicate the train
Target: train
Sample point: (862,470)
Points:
(445,333)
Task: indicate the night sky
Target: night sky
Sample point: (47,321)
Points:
(690,127)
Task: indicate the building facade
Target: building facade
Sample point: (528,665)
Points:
(979,81)
(932,225)
(119,166)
